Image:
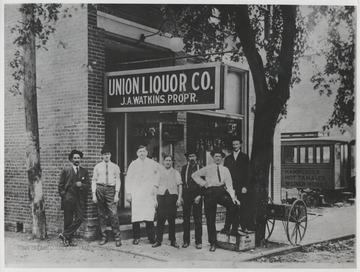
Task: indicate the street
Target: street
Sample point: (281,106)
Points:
(22,252)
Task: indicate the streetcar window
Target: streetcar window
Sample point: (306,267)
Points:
(318,154)
(310,154)
(326,154)
(302,154)
(306,154)
(290,154)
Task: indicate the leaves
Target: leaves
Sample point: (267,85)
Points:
(41,22)
(338,47)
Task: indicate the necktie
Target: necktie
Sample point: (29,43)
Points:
(107,174)
(218,172)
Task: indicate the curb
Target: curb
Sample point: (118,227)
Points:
(291,249)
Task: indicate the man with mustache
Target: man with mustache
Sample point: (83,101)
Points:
(73,187)
(193,199)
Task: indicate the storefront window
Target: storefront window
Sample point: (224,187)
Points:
(204,133)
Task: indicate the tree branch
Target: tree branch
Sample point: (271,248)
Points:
(286,59)
(247,37)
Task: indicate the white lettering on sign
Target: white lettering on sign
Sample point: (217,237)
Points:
(159,84)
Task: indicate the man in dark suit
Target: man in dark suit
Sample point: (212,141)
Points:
(193,198)
(238,164)
(73,187)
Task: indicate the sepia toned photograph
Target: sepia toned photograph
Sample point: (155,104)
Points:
(179,135)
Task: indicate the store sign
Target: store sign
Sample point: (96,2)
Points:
(190,87)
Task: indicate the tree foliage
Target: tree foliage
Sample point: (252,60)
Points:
(41,23)
(213,28)
(338,47)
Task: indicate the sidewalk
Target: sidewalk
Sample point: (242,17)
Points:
(326,224)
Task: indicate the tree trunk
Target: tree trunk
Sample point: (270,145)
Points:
(35,189)
(261,158)
(268,106)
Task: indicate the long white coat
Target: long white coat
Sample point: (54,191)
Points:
(140,182)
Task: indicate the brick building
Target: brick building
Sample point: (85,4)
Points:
(95,40)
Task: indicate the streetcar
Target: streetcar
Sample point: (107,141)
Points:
(321,167)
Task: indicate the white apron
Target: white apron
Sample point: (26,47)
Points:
(140,181)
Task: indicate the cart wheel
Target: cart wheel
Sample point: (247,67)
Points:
(270,223)
(297,222)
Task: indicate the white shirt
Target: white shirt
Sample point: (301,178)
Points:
(99,176)
(236,154)
(212,179)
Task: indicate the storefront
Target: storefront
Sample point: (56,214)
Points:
(171,109)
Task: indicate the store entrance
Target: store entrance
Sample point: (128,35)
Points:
(206,132)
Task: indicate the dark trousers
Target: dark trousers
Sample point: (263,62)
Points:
(150,230)
(242,213)
(107,207)
(189,194)
(73,208)
(166,210)
(212,197)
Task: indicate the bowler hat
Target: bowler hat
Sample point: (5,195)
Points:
(191,151)
(105,149)
(217,151)
(74,151)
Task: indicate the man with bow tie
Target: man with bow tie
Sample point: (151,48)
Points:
(73,187)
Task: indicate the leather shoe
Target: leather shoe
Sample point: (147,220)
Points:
(136,241)
(62,238)
(185,245)
(174,244)
(103,242)
(152,241)
(157,244)
(234,232)
(72,243)
(212,247)
(199,246)
(118,243)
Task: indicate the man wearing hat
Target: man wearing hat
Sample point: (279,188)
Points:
(73,187)
(238,164)
(218,190)
(105,193)
(192,197)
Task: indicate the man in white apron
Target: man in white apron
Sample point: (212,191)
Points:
(140,180)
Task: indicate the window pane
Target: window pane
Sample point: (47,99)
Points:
(326,154)
(310,154)
(318,154)
(290,154)
(302,154)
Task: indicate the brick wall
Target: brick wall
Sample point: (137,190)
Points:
(62,111)
(96,118)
